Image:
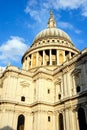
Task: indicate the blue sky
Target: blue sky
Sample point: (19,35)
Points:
(21,20)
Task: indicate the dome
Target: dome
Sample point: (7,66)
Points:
(52,32)
(50,48)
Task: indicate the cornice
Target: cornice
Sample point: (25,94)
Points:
(65,67)
(41,71)
(17,71)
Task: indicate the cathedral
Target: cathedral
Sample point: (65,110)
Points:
(49,92)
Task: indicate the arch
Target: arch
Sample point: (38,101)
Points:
(61,125)
(20,124)
(82,119)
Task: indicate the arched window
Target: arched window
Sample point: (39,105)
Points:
(82,119)
(20,124)
(61,127)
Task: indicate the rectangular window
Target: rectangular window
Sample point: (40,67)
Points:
(48,91)
(49,118)
(23,98)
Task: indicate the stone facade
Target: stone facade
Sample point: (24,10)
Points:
(50,91)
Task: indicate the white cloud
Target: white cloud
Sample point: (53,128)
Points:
(32,2)
(84,11)
(38,13)
(66,25)
(77,31)
(36,8)
(33,13)
(71,4)
(12,50)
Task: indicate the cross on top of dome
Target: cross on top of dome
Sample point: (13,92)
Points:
(51,22)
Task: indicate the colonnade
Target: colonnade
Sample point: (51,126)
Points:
(46,57)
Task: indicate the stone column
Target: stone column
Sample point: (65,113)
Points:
(37,59)
(67,118)
(28,122)
(83,79)
(15,121)
(69,55)
(74,85)
(56,122)
(57,57)
(71,119)
(74,120)
(69,87)
(62,87)
(64,56)
(27,63)
(23,66)
(43,57)
(50,57)
(64,120)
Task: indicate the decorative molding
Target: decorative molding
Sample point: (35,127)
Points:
(57,82)
(76,71)
(24,84)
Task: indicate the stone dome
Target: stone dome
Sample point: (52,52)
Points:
(52,32)
(50,48)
